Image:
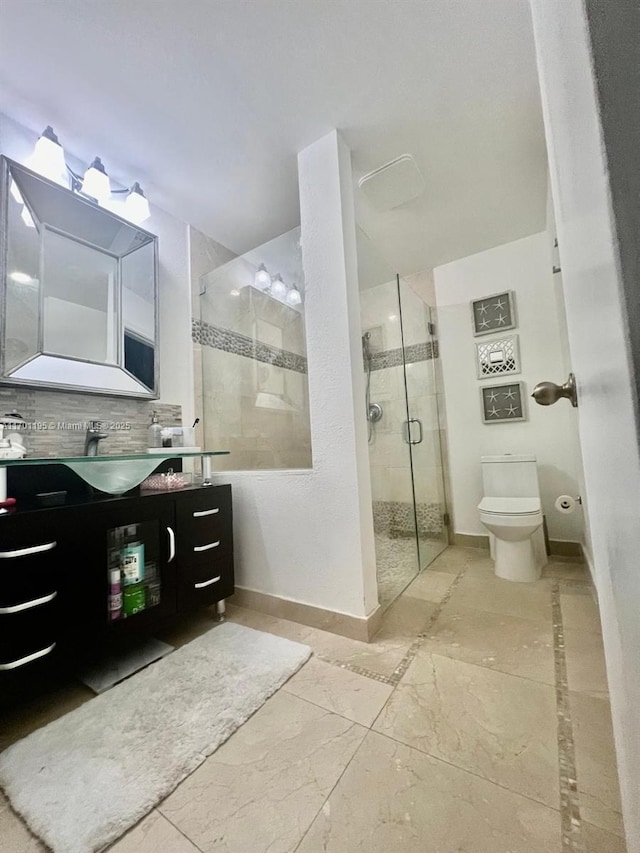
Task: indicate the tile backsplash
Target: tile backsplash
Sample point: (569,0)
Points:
(59,420)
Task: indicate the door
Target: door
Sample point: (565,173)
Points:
(127,582)
(594,177)
(422,429)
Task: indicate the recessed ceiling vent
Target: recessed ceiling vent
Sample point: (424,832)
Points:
(393,184)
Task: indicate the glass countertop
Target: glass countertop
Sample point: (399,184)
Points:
(108,473)
(159,455)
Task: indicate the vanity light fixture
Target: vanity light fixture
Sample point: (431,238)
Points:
(136,205)
(48,157)
(96,182)
(293,296)
(48,160)
(262,279)
(278,287)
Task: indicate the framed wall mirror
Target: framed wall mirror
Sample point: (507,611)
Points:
(78,292)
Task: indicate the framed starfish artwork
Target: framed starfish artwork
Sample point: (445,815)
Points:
(503,403)
(495,313)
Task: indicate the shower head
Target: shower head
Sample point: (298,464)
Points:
(366,351)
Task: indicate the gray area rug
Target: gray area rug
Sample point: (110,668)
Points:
(83,780)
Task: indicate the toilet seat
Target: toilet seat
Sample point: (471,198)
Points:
(510,506)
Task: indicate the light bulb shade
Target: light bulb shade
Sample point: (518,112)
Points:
(278,287)
(262,279)
(48,158)
(136,206)
(293,296)
(96,182)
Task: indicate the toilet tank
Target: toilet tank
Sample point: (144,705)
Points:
(510,476)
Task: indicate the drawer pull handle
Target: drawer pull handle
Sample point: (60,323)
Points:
(206,547)
(27,605)
(24,552)
(204,512)
(172,544)
(207,583)
(14,664)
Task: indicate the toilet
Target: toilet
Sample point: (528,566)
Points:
(512,513)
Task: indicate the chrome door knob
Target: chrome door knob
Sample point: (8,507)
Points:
(548,393)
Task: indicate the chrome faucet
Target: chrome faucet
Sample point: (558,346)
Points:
(92,438)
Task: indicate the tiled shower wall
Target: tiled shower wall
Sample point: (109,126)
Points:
(59,420)
(250,367)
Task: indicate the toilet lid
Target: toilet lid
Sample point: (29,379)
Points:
(510,506)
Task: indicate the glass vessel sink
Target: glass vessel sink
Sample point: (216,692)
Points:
(114,474)
(114,478)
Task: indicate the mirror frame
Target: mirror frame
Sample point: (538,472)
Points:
(6,165)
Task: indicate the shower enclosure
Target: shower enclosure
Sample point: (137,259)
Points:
(251,358)
(404,413)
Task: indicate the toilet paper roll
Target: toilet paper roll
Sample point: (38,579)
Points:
(565,504)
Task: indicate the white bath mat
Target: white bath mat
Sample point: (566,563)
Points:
(84,779)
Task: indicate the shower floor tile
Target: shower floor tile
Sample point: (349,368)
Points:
(397,564)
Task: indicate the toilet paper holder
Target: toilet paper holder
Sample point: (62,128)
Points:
(566,503)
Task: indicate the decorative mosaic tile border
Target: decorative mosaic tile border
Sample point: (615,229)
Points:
(359,670)
(412,651)
(577,585)
(396,676)
(569,802)
(396,519)
(571,821)
(413,353)
(233,342)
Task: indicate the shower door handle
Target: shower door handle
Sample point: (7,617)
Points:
(407,431)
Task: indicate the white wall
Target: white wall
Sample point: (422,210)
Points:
(308,535)
(597,252)
(176,358)
(523,266)
(573,424)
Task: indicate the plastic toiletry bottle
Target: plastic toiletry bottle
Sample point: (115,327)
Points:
(133,600)
(115,595)
(154,432)
(132,558)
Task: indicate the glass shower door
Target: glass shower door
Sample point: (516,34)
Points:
(422,428)
(401,402)
(389,456)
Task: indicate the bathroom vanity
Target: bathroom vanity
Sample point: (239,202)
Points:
(172,549)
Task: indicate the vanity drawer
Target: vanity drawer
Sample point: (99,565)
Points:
(28,635)
(207,515)
(31,559)
(205,527)
(210,581)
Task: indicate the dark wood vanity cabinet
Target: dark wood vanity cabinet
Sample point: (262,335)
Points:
(204,549)
(56,600)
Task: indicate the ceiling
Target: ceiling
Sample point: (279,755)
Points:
(207,102)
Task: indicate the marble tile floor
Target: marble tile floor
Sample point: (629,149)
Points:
(454,731)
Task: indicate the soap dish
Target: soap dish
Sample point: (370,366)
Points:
(163,482)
